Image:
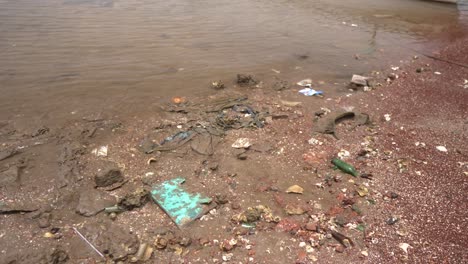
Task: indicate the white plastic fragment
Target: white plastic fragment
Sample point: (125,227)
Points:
(404,247)
(359,80)
(101,151)
(343,154)
(241,143)
(354,25)
(387,117)
(305,83)
(437,73)
(395,68)
(441,148)
(314,141)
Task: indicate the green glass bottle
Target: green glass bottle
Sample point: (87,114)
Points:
(345,167)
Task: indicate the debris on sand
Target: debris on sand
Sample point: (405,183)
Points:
(101,151)
(441,148)
(242,143)
(295,189)
(345,167)
(108,175)
(218,85)
(92,202)
(359,80)
(310,92)
(181,206)
(245,80)
(254,214)
(134,199)
(326,124)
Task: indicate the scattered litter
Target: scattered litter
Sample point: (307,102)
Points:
(441,148)
(244,80)
(392,220)
(254,214)
(218,85)
(343,154)
(242,143)
(345,167)
(395,68)
(290,103)
(101,151)
(437,73)
(359,80)
(294,209)
(344,240)
(310,92)
(178,100)
(305,83)
(151,160)
(404,247)
(89,243)
(295,189)
(314,141)
(181,206)
(387,117)
(362,191)
(327,125)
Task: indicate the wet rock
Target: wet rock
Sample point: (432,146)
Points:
(294,209)
(242,156)
(311,227)
(116,240)
(288,225)
(133,200)
(10,177)
(108,175)
(221,199)
(244,80)
(392,220)
(58,256)
(392,76)
(92,202)
(44,220)
(5,154)
(160,242)
(185,241)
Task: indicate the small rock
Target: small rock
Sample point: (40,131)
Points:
(136,199)
(340,249)
(392,220)
(221,199)
(311,227)
(185,241)
(92,202)
(242,156)
(44,220)
(294,209)
(392,76)
(242,143)
(109,174)
(394,195)
(441,148)
(218,85)
(359,80)
(244,80)
(295,189)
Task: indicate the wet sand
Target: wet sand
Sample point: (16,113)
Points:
(427,210)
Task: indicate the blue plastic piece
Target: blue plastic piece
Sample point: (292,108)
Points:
(310,92)
(181,206)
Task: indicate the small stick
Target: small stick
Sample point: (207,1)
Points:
(89,243)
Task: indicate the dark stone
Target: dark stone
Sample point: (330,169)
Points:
(394,195)
(9,177)
(92,202)
(392,220)
(109,174)
(138,198)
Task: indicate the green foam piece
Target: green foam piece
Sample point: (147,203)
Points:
(181,206)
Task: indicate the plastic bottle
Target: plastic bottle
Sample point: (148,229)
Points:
(345,167)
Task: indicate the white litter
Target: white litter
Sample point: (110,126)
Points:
(441,148)
(305,83)
(387,117)
(404,247)
(241,143)
(437,73)
(101,151)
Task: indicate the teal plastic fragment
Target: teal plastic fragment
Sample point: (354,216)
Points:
(181,206)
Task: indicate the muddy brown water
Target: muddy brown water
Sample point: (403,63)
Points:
(59,57)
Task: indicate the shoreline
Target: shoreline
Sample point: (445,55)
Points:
(53,171)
